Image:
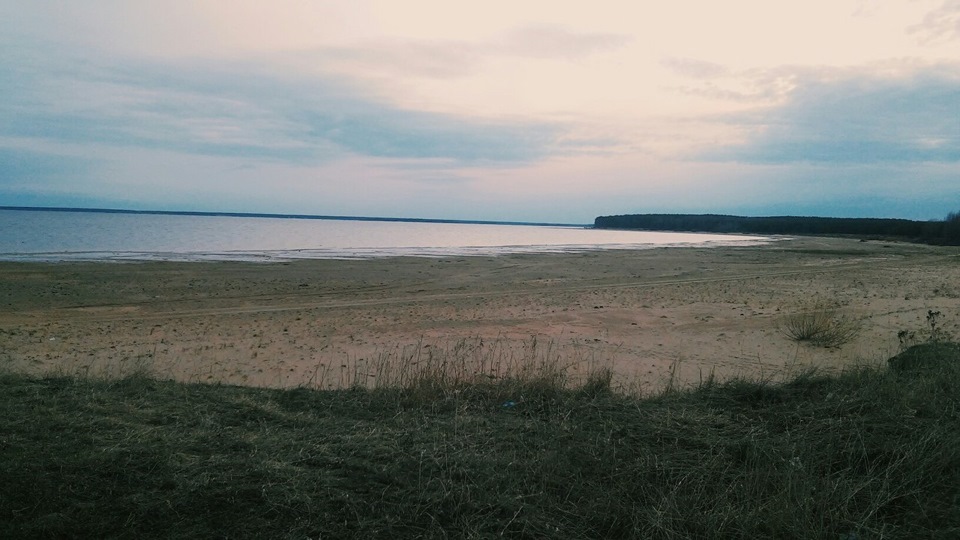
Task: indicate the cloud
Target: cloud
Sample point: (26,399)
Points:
(400,58)
(408,134)
(239,109)
(941,24)
(755,86)
(855,119)
(697,69)
(554,42)
(451,59)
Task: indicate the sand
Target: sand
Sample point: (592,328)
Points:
(652,315)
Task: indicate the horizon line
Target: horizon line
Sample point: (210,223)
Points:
(286,216)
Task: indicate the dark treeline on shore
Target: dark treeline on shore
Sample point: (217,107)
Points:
(944,232)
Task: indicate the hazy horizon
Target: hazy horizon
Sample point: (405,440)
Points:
(501,111)
(384,218)
(273,215)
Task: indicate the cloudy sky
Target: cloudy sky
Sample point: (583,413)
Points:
(513,110)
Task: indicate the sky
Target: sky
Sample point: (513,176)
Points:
(538,111)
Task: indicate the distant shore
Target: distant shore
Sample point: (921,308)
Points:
(938,232)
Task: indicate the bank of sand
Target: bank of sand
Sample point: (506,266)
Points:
(687,312)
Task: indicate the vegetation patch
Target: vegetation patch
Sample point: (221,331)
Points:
(869,453)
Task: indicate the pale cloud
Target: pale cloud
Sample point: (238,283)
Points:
(697,69)
(554,42)
(940,25)
(449,59)
(393,59)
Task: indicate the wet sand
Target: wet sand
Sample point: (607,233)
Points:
(650,314)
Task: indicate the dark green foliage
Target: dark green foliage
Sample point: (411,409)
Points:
(951,227)
(866,454)
(931,356)
(934,232)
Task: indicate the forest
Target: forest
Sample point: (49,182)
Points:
(940,232)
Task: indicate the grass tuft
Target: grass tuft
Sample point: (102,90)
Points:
(820,326)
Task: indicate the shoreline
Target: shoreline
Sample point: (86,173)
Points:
(650,314)
(373,253)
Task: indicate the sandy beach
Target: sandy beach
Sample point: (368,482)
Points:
(650,314)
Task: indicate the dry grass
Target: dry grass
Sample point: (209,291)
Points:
(821,326)
(866,454)
(463,362)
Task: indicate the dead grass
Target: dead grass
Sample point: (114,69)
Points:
(869,453)
(462,362)
(821,326)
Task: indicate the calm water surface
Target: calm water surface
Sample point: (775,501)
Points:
(61,236)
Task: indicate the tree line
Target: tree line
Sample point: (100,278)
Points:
(943,232)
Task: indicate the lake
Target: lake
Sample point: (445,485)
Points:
(44,235)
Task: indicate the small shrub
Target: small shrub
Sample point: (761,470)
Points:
(933,321)
(820,326)
(933,334)
(907,338)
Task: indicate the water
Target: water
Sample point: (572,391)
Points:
(65,236)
